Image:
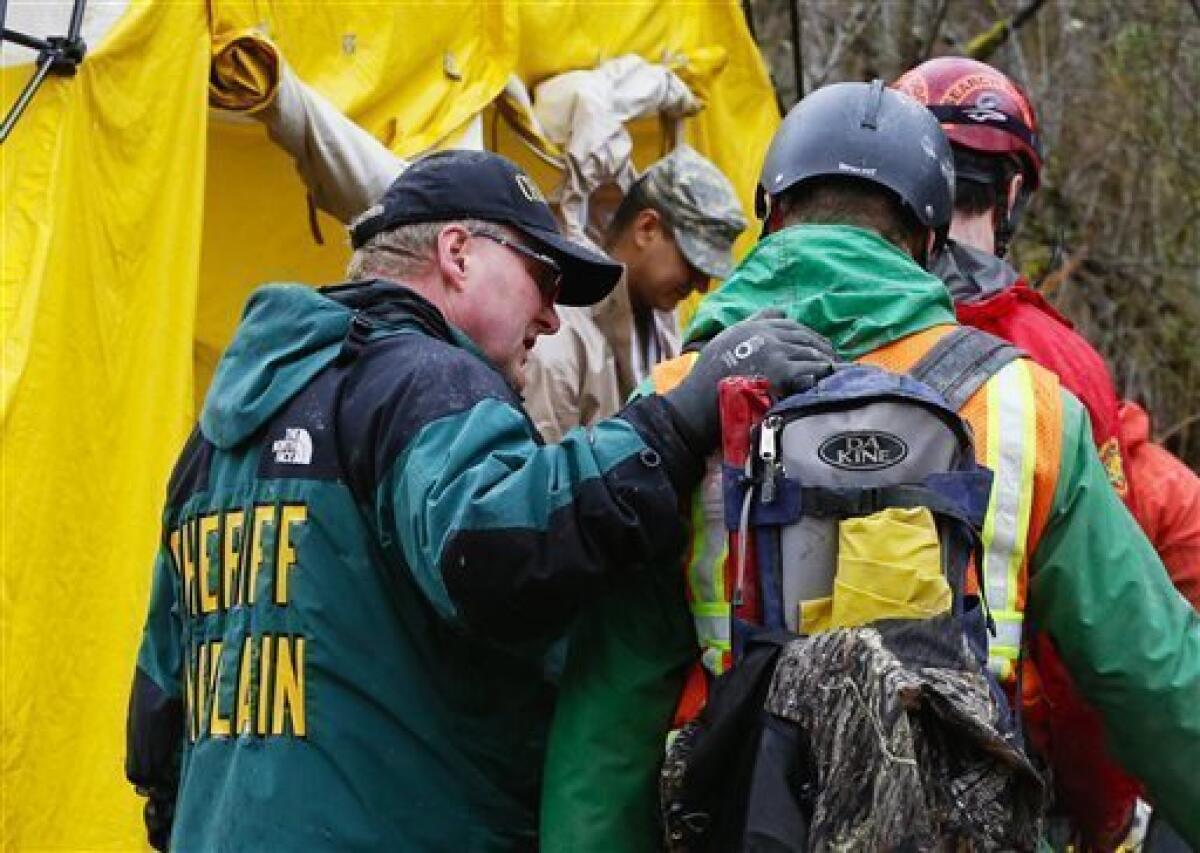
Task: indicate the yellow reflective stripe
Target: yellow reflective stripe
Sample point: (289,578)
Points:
(714,659)
(712,628)
(1005,648)
(1028,469)
(1008,629)
(710,543)
(1011,455)
(1002,668)
(711,608)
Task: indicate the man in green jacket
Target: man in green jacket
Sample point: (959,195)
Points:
(367,551)
(859,182)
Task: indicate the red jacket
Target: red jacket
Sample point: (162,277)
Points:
(1166,502)
(1023,316)
(1096,792)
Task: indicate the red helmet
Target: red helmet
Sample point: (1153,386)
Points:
(979,108)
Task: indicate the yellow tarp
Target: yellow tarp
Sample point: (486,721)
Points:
(134,224)
(102,192)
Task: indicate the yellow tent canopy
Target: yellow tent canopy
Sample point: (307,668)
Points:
(135,222)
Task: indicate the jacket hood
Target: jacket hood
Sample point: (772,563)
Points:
(972,275)
(849,284)
(288,333)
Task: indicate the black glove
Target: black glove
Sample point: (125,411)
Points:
(791,357)
(159,814)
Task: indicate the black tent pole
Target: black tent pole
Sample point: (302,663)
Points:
(43,69)
(76,25)
(56,55)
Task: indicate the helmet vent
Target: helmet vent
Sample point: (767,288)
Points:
(870,117)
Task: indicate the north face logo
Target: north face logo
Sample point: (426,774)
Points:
(295,448)
(866,450)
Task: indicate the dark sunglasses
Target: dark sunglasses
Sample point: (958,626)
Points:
(550,282)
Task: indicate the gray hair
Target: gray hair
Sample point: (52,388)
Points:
(407,250)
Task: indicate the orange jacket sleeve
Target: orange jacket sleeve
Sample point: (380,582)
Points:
(1165,500)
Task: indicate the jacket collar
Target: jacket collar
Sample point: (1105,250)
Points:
(389,303)
(972,275)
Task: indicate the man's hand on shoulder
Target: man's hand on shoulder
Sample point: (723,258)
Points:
(791,357)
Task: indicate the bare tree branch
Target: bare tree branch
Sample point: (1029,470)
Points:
(985,44)
(926,46)
(860,19)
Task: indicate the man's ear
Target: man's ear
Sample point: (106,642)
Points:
(647,224)
(452,256)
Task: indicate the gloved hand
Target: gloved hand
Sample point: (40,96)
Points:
(791,357)
(159,814)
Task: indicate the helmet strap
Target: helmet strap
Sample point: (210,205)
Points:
(1007,219)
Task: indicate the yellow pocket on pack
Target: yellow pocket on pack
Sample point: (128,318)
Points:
(889,566)
(815,615)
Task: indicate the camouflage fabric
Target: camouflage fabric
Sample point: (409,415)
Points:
(907,740)
(701,207)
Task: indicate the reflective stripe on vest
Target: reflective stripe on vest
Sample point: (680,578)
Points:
(705,569)
(1012,456)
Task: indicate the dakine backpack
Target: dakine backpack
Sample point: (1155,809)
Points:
(858,502)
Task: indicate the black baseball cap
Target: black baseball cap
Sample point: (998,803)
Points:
(450,185)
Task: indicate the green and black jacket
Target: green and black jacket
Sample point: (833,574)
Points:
(367,556)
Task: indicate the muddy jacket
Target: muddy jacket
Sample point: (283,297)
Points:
(366,554)
(587,369)
(1130,640)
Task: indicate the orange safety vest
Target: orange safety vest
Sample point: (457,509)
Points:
(1016,417)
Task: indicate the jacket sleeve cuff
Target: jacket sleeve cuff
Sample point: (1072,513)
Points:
(658,426)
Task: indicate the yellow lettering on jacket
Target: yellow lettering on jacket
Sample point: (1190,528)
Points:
(285,554)
(231,543)
(263,515)
(202,694)
(289,685)
(188,550)
(264,685)
(218,726)
(241,557)
(243,718)
(263,696)
(208,570)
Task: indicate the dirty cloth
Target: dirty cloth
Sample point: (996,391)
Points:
(907,742)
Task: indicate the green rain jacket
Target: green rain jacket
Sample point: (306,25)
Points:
(1131,642)
(367,554)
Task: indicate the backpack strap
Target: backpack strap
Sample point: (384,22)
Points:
(958,364)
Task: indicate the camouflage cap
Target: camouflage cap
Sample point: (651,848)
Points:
(700,205)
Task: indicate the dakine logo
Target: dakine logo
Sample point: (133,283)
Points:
(295,448)
(529,189)
(865,450)
(743,350)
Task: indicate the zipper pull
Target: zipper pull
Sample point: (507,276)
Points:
(768,452)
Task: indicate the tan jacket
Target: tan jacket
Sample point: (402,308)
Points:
(587,370)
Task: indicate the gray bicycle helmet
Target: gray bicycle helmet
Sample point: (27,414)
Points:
(867,132)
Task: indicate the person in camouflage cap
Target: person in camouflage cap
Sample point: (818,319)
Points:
(700,206)
(674,232)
